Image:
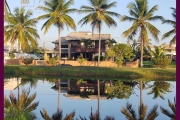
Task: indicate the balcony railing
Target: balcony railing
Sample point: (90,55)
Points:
(94,50)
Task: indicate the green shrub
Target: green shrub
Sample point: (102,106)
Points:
(81,60)
(11,54)
(27,60)
(119,61)
(102,58)
(162,62)
(53,61)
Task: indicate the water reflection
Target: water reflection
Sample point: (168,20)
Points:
(100,99)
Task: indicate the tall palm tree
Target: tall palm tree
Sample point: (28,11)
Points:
(141,17)
(159,88)
(173,31)
(13,107)
(167,112)
(6,10)
(21,29)
(57,14)
(98,13)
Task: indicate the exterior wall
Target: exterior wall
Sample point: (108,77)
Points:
(75,63)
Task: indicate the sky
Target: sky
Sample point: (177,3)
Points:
(116,32)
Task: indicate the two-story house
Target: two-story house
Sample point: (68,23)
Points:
(72,45)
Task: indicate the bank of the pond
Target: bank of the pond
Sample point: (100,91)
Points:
(91,71)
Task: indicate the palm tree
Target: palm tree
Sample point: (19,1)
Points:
(130,113)
(140,15)
(159,88)
(6,10)
(23,106)
(98,14)
(57,14)
(22,29)
(167,112)
(88,43)
(158,52)
(173,31)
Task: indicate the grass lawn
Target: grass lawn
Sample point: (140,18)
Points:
(90,71)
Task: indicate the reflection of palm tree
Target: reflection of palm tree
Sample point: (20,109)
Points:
(159,88)
(23,106)
(167,112)
(130,114)
(57,115)
(96,116)
(32,82)
(59,93)
(98,98)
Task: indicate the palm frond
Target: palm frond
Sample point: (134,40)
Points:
(173,41)
(131,31)
(44,115)
(153,31)
(153,113)
(171,22)
(155,18)
(167,112)
(129,112)
(127,18)
(167,34)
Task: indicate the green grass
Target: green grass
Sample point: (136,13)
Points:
(91,71)
(149,64)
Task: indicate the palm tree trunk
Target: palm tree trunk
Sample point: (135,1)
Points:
(59,91)
(99,47)
(59,39)
(141,64)
(98,99)
(18,51)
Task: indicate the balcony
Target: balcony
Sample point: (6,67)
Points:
(92,50)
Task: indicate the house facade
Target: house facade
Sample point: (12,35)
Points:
(73,47)
(169,51)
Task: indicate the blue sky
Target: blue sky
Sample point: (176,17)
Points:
(116,33)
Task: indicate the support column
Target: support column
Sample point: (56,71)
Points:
(69,49)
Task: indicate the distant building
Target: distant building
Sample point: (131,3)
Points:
(72,47)
(169,51)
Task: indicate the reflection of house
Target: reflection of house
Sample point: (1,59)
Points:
(72,47)
(11,83)
(83,89)
(88,86)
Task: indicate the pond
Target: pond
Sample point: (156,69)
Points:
(81,95)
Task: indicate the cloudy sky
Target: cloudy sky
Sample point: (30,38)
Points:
(116,33)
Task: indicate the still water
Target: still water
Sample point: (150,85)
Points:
(81,95)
